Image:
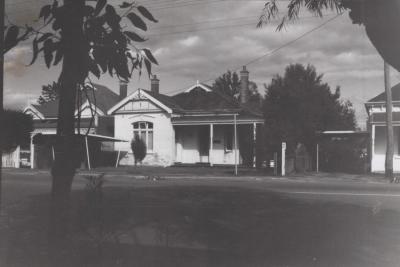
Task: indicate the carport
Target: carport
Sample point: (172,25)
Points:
(43,151)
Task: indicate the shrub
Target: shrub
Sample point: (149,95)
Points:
(139,149)
(15,129)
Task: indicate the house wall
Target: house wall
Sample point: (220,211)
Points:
(220,154)
(11,160)
(379,148)
(163,141)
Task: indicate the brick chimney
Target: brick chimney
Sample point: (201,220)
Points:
(123,89)
(155,84)
(244,85)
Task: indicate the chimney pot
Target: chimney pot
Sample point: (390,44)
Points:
(244,85)
(123,89)
(155,84)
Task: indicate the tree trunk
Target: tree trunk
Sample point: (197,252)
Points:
(2,5)
(72,75)
(389,125)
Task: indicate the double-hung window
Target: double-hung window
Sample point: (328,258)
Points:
(144,130)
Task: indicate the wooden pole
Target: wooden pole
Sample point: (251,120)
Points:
(119,153)
(210,158)
(235,137)
(389,125)
(53,153)
(254,144)
(32,153)
(87,152)
(317,157)
(283,168)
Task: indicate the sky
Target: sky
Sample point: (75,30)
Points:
(199,40)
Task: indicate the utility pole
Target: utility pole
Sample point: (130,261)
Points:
(389,125)
(2,16)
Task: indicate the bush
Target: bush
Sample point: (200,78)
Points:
(15,129)
(139,149)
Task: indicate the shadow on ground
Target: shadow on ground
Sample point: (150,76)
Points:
(200,226)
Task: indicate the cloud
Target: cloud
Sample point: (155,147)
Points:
(188,48)
(16,61)
(190,41)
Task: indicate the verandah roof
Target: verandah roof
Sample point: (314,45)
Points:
(221,119)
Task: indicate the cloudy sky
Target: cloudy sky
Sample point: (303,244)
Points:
(201,39)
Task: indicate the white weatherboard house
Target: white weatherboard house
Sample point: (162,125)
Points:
(376,109)
(196,126)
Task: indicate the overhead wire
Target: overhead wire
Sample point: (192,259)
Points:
(269,53)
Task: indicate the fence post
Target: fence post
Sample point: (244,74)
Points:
(283,158)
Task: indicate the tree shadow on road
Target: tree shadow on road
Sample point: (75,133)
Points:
(201,226)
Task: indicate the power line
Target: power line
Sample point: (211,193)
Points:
(214,27)
(269,53)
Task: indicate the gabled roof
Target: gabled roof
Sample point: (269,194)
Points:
(198,99)
(103,99)
(166,100)
(381,98)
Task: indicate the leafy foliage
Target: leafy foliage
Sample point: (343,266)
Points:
(110,48)
(16,128)
(50,92)
(271,10)
(229,84)
(139,149)
(299,104)
(380,18)
(13,36)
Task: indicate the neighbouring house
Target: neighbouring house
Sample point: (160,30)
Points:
(96,129)
(376,124)
(197,126)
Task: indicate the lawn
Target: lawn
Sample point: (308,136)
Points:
(197,225)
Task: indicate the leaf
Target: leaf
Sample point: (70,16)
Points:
(94,68)
(134,37)
(35,51)
(45,12)
(110,10)
(149,55)
(125,5)
(147,63)
(99,7)
(44,37)
(48,48)
(11,37)
(110,67)
(146,13)
(56,25)
(137,21)
(59,55)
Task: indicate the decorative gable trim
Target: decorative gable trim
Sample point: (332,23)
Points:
(138,94)
(142,117)
(202,86)
(34,111)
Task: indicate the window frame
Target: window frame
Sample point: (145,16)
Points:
(148,127)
